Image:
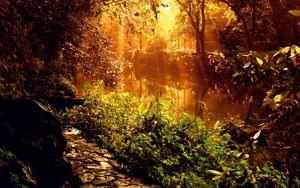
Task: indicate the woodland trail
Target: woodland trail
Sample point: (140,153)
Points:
(95,166)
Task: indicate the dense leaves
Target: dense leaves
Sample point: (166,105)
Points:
(278,72)
(174,152)
(43,41)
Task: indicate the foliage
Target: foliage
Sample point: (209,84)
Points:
(174,152)
(278,72)
(156,44)
(135,15)
(45,39)
(253,28)
(13,52)
(295,13)
(13,171)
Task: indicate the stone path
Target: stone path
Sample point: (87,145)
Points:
(95,166)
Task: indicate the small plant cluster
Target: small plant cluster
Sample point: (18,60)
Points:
(13,171)
(175,152)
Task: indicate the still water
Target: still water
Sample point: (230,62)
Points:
(180,80)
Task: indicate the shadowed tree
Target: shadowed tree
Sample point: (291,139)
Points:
(195,12)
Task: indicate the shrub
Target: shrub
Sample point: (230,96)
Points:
(175,152)
(278,73)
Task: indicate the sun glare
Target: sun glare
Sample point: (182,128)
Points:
(166,19)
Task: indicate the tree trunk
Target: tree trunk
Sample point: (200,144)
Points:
(247,33)
(240,17)
(202,38)
(253,28)
(198,42)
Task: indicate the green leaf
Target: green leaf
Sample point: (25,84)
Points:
(256,135)
(285,50)
(217,177)
(246,65)
(278,98)
(277,53)
(215,172)
(297,49)
(252,179)
(293,53)
(279,60)
(295,12)
(259,61)
(217,124)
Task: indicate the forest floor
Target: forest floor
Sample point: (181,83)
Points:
(95,166)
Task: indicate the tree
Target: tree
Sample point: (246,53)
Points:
(246,13)
(44,39)
(195,11)
(260,19)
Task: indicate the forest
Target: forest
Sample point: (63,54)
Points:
(150,93)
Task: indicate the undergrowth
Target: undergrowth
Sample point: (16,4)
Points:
(175,152)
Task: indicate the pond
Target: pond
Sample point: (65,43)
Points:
(156,74)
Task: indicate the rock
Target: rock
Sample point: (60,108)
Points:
(108,156)
(102,171)
(13,171)
(34,136)
(62,87)
(104,180)
(97,167)
(63,102)
(86,178)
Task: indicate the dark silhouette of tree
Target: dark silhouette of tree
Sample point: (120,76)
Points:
(42,39)
(195,11)
(259,18)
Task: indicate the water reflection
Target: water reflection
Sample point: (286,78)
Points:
(178,79)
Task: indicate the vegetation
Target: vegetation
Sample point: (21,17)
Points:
(15,171)
(47,41)
(53,41)
(279,74)
(174,152)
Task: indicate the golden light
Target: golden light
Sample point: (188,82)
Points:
(166,19)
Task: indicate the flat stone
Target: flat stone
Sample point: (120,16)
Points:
(88,160)
(99,159)
(80,140)
(97,167)
(72,131)
(103,151)
(86,178)
(102,173)
(122,176)
(106,164)
(106,180)
(80,170)
(121,182)
(114,163)
(108,155)
(71,145)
